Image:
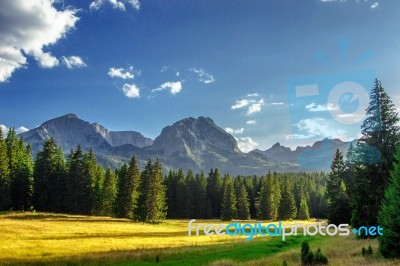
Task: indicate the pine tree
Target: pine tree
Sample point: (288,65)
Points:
(375,151)
(76,188)
(338,200)
(49,178)
(389,214)
(156,208)
(242,203)
(200,194)
(5,200)
(214,192)
(228,206)
(21,172)
(303,211)
(141,208)
(128,190)
(189,194)
(109,191)
(287,206)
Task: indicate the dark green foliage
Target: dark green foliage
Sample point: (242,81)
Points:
(319,258)
(367,251)
(304,212)
(49,175)
(128,190)
(284,263)
(5,200)
(375,153)
(108,193)
(214,192)
(339,210)
(287,205)
(155,201)
(21,172)
(389,215)
(228,208)
(242,203)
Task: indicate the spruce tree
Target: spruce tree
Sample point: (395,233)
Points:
(389,214)
(5,200)
(49,178)
(189,194)
(228,206)
(338,200)
(287,206)
(214,192)
(109,191)
(242,203)
(304,213)
(141,208)
(76,188)
(375,150)
(155,203)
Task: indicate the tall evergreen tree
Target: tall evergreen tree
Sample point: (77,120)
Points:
(242,203)
(189,193)
(304,213)
(108,195)
(76,187)
(155,203)
(376,150)
(214,192)
(228,208)
(338,201)
(5,200)
(389,214)
(49,178)
(287,206)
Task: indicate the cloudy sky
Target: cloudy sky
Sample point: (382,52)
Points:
(266,71)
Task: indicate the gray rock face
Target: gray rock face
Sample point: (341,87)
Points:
(69,131)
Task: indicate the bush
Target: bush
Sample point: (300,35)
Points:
(284,263)
(308,257)
(367,251)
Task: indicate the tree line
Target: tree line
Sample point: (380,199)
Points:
(78,184)
(363,188)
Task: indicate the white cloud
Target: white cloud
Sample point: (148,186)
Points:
(234,131)
(27,28)
(131,91)
(204,77)
(73,62)
(173,87)
(374,5)
(246,144)
(278,103)
(251,122)
(18,130)
(116,4)
(252,95)
(255,107)
(123,73)
(240,104)
(313,107)
(318,127)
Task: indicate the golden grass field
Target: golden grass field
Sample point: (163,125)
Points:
(70,239)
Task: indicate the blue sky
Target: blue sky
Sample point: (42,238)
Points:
(144,64)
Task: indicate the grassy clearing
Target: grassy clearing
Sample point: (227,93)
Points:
(43,238)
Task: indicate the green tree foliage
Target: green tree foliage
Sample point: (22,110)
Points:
(155,202)
(214,192)
(5,200)
(375,157)
(242,203)
(389,214)
(49,175)
(108,193)
(338,201)
(228,208)
(128,190)
(287,206)
(304,213)
(21,172)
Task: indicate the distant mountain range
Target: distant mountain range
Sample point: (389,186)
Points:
(197,144)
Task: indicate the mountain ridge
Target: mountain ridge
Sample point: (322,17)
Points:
(190,143)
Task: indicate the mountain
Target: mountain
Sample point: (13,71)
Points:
(191,143)
(69,131)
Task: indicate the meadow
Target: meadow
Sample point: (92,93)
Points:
(60,239)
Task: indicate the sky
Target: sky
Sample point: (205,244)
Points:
(283,71)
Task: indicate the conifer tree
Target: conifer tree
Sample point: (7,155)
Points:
(109,191)
(242,203)
(155,202)
(214,192)
(338,201)
(304,213)
(228,208)
(49,178)
(75,185)
(189,193)
(375,150)
(287,206)
(5,200)
(389,214)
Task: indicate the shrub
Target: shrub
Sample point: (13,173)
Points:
(320,258)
